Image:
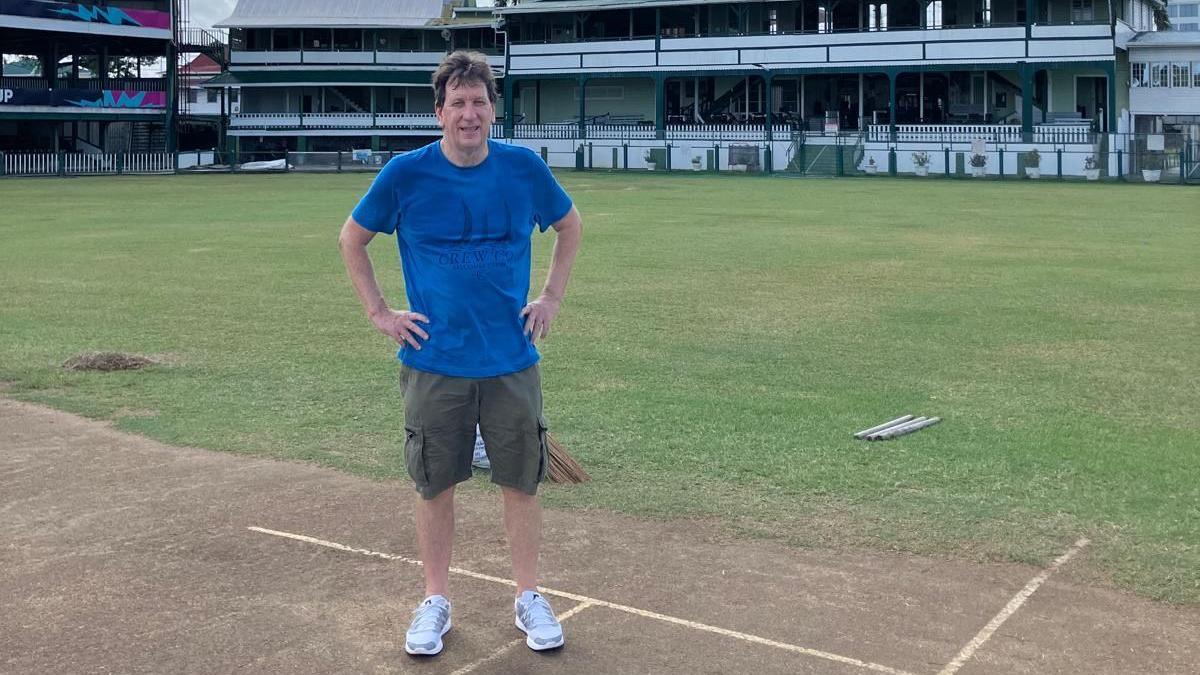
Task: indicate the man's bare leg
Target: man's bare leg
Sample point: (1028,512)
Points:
(523,524)
(435,537)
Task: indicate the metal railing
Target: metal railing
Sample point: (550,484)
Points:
(15,82)
(90,84)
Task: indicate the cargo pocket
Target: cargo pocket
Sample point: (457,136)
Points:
(414,456)
(544,443)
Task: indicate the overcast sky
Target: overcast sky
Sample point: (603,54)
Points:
(207,12)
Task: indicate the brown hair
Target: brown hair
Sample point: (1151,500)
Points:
(459,68)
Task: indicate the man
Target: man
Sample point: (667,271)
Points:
(463,210)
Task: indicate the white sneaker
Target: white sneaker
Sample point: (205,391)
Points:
(431,620)
(480,458)
(536,619)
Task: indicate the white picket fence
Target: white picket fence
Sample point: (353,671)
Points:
(86,163)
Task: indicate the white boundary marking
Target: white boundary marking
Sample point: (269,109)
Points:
(500,652)
(611,605)
(1011,608)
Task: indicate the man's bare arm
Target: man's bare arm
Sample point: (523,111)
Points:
(400,326)
(540,313)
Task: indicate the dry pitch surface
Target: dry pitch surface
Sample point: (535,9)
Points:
(121,554)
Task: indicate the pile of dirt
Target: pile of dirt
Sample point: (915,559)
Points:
(107,361)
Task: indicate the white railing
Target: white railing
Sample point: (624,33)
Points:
(566,130)
(265,120)
(86,163)
(334,120)
(418,120)
(992,133)
(619,131)
(733,132)
(30,164)
(714,132)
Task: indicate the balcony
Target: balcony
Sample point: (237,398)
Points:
(393,123)
(90,19)
(895,47)
(328,58)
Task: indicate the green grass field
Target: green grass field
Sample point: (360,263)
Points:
(721,340)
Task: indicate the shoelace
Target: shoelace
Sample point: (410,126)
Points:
(427,617)
(538,613)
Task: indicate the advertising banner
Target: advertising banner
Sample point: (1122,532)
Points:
(84,98)
(77,11)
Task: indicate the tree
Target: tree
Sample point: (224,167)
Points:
(1161,20)
(24,62)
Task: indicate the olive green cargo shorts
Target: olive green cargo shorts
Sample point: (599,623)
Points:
(440,414)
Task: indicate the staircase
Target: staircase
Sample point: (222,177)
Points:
(118,137)
(350,105)
(205,41)
(147,137)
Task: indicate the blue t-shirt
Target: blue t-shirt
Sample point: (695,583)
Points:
(465,237)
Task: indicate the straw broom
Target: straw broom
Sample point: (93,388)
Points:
(563,468)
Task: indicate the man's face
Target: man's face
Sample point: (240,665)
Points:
(467,116)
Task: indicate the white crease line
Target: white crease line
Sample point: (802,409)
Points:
(603,603)
(503,650)
(1010,609)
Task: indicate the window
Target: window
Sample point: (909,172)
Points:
(1158,75)
(213,95)
(347,40)
(877,17)
(285,40)
(318,39)
(258,39)
(192,96)
(824,20)
(1137,75)
(933,14)
(1179,75)
(1186,27)
(983,13)
(234,95)
(1185,11)
(772,21)
(1082,11)
(1196,74)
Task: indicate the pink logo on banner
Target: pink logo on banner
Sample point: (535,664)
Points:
(150,18)
(128,98)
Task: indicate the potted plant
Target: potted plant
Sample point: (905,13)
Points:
(870,167)
(1033,164)
(921,163)
(1152,167)
(696,159)
(648,156)
(1090,168)
(978,165)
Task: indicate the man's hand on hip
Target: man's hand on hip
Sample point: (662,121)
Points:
(539,314)
(401,326)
